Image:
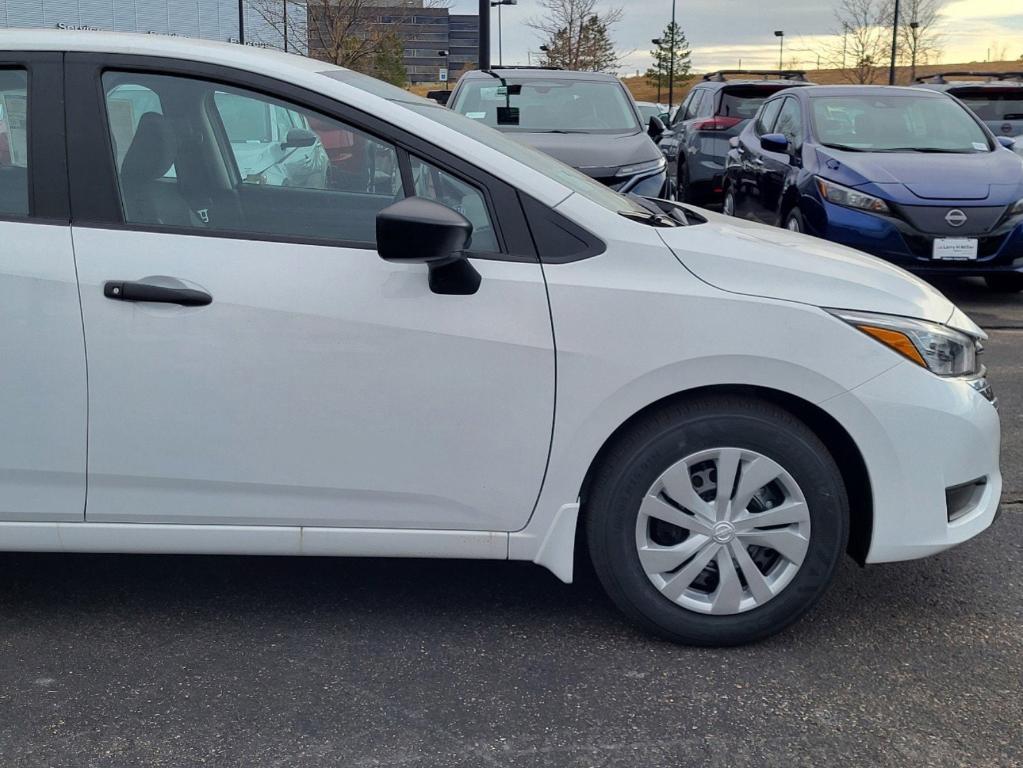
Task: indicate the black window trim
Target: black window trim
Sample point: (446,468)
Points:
(95,200)
(47,171)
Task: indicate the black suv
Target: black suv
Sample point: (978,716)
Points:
(716,109)
(588,120)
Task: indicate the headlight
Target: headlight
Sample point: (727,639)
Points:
(654,166)
(1017,208)
(850,198)
(940,349)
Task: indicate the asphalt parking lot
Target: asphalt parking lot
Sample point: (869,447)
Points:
(198,661)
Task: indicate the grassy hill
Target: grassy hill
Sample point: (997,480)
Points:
(643,91)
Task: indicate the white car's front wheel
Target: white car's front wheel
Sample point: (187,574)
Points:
(717,522)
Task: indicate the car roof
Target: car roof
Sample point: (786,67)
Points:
(168,46)
(539,73)
(812,91)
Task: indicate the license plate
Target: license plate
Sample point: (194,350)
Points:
(955,249)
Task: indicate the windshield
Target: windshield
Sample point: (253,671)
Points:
(548,105)
(576,181)
(994,105)
(651,110)
(896,123)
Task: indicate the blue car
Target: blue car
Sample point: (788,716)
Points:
(909,175)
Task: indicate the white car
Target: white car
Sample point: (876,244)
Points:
(196,363)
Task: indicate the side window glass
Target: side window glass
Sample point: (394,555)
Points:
(204,157)
(13,142)
(790,123)
(768,113)
(706,108)
(435,184)
(694,105)
(680,112)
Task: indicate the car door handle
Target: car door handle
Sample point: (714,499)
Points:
(126,290)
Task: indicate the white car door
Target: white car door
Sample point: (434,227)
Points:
(272,369)
(42,352)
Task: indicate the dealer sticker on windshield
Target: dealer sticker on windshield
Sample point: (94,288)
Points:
(955,248)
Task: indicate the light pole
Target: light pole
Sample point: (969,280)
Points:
(484,53)
(546,49)
(659,41)
(500,32)
(671,67)
(444,55)
(241,22)
(780,34)
(895,44)
(913,25)
(285,26)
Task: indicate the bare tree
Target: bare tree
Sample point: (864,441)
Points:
(919,41)
(348,33)
(861,39)
(576,35)
(998,51)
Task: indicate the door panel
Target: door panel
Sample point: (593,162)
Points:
(322,386)
(42,376)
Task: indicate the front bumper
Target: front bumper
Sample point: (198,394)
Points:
(921,437)
(895,240)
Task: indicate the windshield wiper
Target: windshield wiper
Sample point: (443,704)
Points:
(845,147)
(932,150)
(560,130)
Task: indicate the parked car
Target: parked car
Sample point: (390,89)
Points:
(906,174)
(588,120)
(715,110)
(995,97)
(648,109)
(474,361)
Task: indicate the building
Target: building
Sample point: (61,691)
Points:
(424,32)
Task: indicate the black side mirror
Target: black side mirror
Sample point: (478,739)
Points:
(421,231)
(441,97)
(298,138)
(655,129)
(775,142)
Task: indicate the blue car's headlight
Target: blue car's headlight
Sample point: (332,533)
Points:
(850,198)
(1017,208)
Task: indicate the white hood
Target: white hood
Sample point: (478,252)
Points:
(758,260)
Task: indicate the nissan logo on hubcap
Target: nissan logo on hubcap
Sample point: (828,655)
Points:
(723,532)
(955,218)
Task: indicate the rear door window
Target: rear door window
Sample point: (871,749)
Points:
(13,142)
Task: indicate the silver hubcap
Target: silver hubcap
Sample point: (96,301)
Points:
(723,531)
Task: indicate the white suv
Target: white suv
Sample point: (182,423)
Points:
(194,361)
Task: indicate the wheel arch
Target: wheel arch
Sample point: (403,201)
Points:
(837,439)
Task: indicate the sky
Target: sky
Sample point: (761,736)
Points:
(723,32)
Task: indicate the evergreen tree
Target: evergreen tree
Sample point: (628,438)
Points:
(388,61)
(673,38)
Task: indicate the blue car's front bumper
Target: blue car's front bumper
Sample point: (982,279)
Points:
(894,239)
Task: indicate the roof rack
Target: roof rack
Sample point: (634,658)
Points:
(796,75)
(512,66)
(941,78)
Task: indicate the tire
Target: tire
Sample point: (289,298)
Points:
(794,222)
(728,204)
(662,445)
(681,192)
(1010,282)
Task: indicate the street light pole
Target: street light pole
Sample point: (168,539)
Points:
(895,44)
(671,68)
(914,25)
(500,31)
(780,34)
(484,52)
(241,22)
(659,42)
(285,26)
